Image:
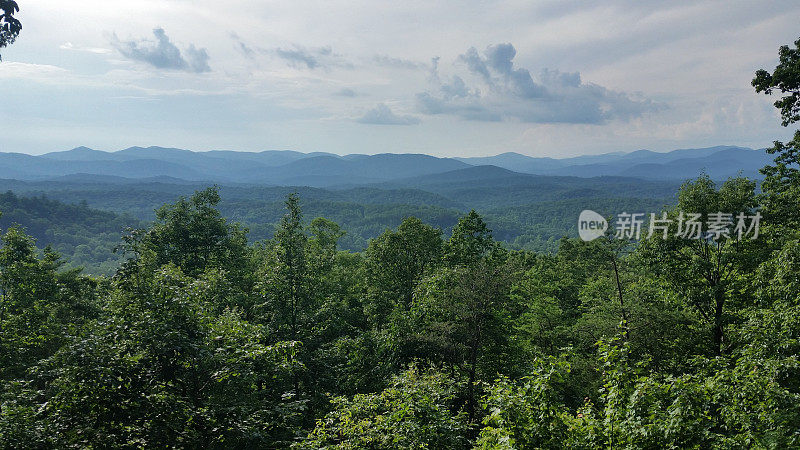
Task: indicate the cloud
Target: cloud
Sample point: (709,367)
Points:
(398,63)
(245,49)
(475,63)
(37,72)
(500,57)
(504,91)
(383,115)
(163,54)
(296,56)
(301,57)
(95,50)
(346,92)
(311,58)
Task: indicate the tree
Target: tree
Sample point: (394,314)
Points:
(396,262)
(192,234)
(413,413)
(10,26)
(470,241)
(528,413)
(708,272)
(324,242)
(786,79)
(39,307)
(573,299)
(286,285)
(461,320)
(461,312)
(162,368)
(637,407)
(781,185)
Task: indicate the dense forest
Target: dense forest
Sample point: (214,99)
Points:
(84,236)
(203,338)
(84,219)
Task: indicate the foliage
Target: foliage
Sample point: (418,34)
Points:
(414,412)
(86,237)
(527,413)
(533,221)
(192,235)
(708,271)
(782,180)
(10,26)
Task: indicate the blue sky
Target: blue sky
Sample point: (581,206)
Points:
(448,78)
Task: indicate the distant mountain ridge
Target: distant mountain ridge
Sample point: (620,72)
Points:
(718,162)
(320,169)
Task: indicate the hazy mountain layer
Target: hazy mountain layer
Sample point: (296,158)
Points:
(282,168)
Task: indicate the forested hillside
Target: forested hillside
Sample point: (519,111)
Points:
(86,237)
(526,212)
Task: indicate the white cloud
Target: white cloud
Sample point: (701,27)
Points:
(32,72)
(95,50)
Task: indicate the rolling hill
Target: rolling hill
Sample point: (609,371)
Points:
(284,168)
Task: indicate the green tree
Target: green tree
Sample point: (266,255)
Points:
(290,245)
(39,307)
(396,262)
(413,412)
(162,369)
(708,271)
(461,319)
(461,313)
(193,235)
(527,413)
(781,186)
(551,293)
(10,26)
(325,236)
(470,241)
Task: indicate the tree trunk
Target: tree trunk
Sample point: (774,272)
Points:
(719,336)
(471,385)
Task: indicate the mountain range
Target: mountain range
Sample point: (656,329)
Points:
(284,168)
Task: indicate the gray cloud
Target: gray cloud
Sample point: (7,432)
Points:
(245,49)
(163,54)
(470,110)
(475,63)
(433,71)
(296,56)
(500,57)
(508,92)
(311,58)
(383,115)
(299,57)
(398,63)
(346,92)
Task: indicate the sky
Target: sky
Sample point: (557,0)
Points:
(447,78)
